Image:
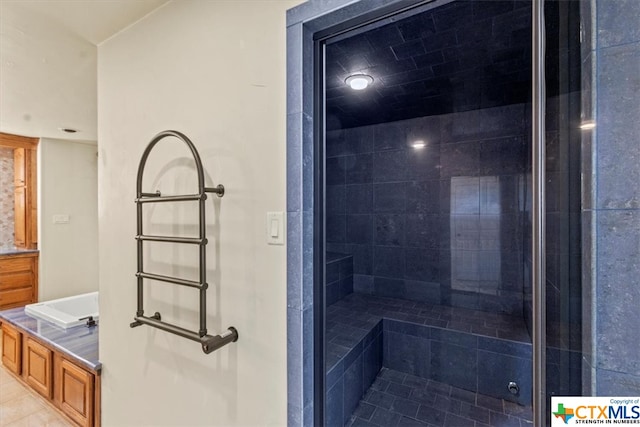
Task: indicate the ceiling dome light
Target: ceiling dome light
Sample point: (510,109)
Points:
(419,144)
(358,81)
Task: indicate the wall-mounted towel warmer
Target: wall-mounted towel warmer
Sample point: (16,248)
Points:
(209,342)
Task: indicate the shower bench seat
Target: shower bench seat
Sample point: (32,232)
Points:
(470,349)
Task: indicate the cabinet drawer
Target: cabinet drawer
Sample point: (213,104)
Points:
(12,349)
(16,265)
(16,297)
(15,280)
(37,367)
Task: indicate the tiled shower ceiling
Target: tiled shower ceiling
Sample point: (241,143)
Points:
(461,56)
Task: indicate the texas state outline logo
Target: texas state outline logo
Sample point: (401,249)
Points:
(587,410)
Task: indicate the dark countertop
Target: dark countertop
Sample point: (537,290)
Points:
(79,342)
(16,251)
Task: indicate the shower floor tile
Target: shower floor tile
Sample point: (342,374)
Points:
(401,400)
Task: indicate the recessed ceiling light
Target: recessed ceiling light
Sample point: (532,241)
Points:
(419,144)
(68,130)
(359,81)
(589,124)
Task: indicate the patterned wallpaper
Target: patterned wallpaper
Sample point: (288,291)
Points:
(6,197)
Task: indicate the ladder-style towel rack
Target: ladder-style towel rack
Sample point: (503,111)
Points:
(209,342)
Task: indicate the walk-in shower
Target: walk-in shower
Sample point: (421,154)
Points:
(429,210)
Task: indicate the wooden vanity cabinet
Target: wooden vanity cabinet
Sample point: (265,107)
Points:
(68,386)
(12,349)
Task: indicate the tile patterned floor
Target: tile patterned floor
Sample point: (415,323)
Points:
(400,400)
(21,407)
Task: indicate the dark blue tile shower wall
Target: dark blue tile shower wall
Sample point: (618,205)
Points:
(338,277)
(612,210)
(442,223)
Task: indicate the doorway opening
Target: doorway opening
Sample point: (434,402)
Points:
(422,213)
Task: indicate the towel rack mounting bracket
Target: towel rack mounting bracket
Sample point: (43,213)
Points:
(219,190)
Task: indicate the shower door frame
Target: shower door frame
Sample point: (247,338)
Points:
(308,25)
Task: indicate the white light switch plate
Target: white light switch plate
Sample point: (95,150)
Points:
(275,228)
(61,219)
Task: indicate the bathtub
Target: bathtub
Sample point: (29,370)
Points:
(66,312)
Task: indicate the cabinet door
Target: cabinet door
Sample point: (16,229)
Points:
(74,390)
(19,169)
(38,367)
(25,198)
(20,225)
(11,349)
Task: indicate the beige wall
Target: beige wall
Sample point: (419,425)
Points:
(214,70)
(67,185)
